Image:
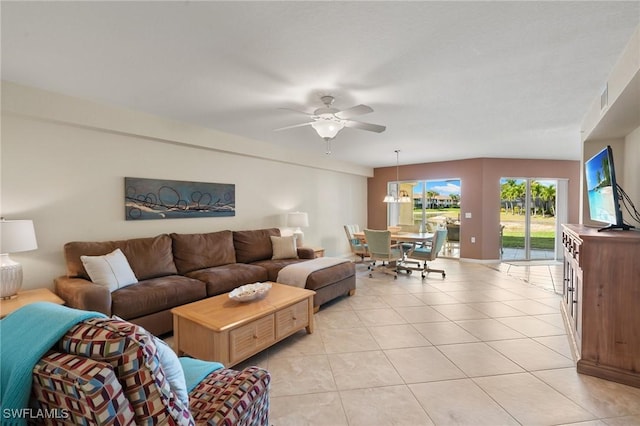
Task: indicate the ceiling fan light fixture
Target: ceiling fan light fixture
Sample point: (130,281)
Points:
(328,121)
(327,129)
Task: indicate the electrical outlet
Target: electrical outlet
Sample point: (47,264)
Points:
(467,215)
(473,240)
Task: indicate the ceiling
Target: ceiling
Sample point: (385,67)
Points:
(450,80)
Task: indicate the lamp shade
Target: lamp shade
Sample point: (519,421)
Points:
(297,219)
(327,129)
(17,236)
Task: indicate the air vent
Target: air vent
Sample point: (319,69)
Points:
(604,98)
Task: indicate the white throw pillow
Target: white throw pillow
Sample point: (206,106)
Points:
(284,247)
(111,270)
(172,369)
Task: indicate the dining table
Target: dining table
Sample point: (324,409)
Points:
(401,237)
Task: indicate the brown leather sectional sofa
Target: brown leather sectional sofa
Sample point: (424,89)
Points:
(175,269)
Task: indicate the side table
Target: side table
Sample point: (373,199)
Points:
(26,297)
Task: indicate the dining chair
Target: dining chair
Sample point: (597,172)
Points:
(357,247)
(453,236)
(428,252)
(406,246)
(381,249)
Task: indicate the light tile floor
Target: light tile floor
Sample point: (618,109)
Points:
(481,347)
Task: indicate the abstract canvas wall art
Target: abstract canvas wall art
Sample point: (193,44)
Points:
(166,199)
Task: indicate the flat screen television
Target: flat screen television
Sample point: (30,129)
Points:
(602,189)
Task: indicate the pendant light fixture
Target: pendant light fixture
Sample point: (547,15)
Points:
(400,196)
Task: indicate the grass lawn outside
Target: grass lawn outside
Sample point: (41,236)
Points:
(538,241)
(543,231)
(542,228)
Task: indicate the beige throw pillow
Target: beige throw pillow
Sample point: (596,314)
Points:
(284,247)
(111,270)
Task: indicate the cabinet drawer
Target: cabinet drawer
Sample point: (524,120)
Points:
(250,338)
(292,318)
(572,245)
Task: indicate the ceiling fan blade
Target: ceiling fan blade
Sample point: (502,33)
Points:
(354,111)
(294,126)
(365,126)
(308,114)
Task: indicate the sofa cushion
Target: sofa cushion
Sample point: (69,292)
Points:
(222,279)
(148,257)
(254,245)
(96,397)
(328,276)
(198,251)
(274,266)
(155,295)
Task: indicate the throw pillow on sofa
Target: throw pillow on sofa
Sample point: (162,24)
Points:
(111,270)
(284,247)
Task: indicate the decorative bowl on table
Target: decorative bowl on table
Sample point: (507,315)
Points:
(394,229)
(249,292)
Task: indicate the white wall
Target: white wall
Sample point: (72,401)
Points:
(66,172)
(632,171)
(617,124)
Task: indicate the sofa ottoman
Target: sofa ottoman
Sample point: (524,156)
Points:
(332,282)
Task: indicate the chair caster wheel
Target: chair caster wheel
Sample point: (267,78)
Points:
(409,272)
(444,275)
(395,277)
(423,275)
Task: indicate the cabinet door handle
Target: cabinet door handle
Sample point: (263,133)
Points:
(569,288)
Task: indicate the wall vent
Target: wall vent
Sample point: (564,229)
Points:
(604,97)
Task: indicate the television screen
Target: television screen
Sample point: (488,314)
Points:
(602,189)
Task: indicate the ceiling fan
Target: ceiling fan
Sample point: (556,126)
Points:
(328,121)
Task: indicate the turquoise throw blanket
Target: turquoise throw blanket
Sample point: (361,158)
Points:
(25,336)
(195,370)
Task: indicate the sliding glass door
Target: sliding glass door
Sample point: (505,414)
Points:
(528,219)
(434,203)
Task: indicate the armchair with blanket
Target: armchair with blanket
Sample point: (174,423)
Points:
(86,368)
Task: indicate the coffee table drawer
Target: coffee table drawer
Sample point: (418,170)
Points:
(251,338)
(292,318)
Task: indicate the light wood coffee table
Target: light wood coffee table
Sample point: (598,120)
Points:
(223,330)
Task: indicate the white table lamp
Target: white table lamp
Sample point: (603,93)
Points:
(298,220)
(15,236)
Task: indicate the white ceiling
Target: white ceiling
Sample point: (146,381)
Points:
(450,80)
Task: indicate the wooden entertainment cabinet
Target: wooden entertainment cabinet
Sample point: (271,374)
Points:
(601,301)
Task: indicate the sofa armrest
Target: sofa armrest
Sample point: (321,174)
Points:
(230,397)
(82,294)
(306,253)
